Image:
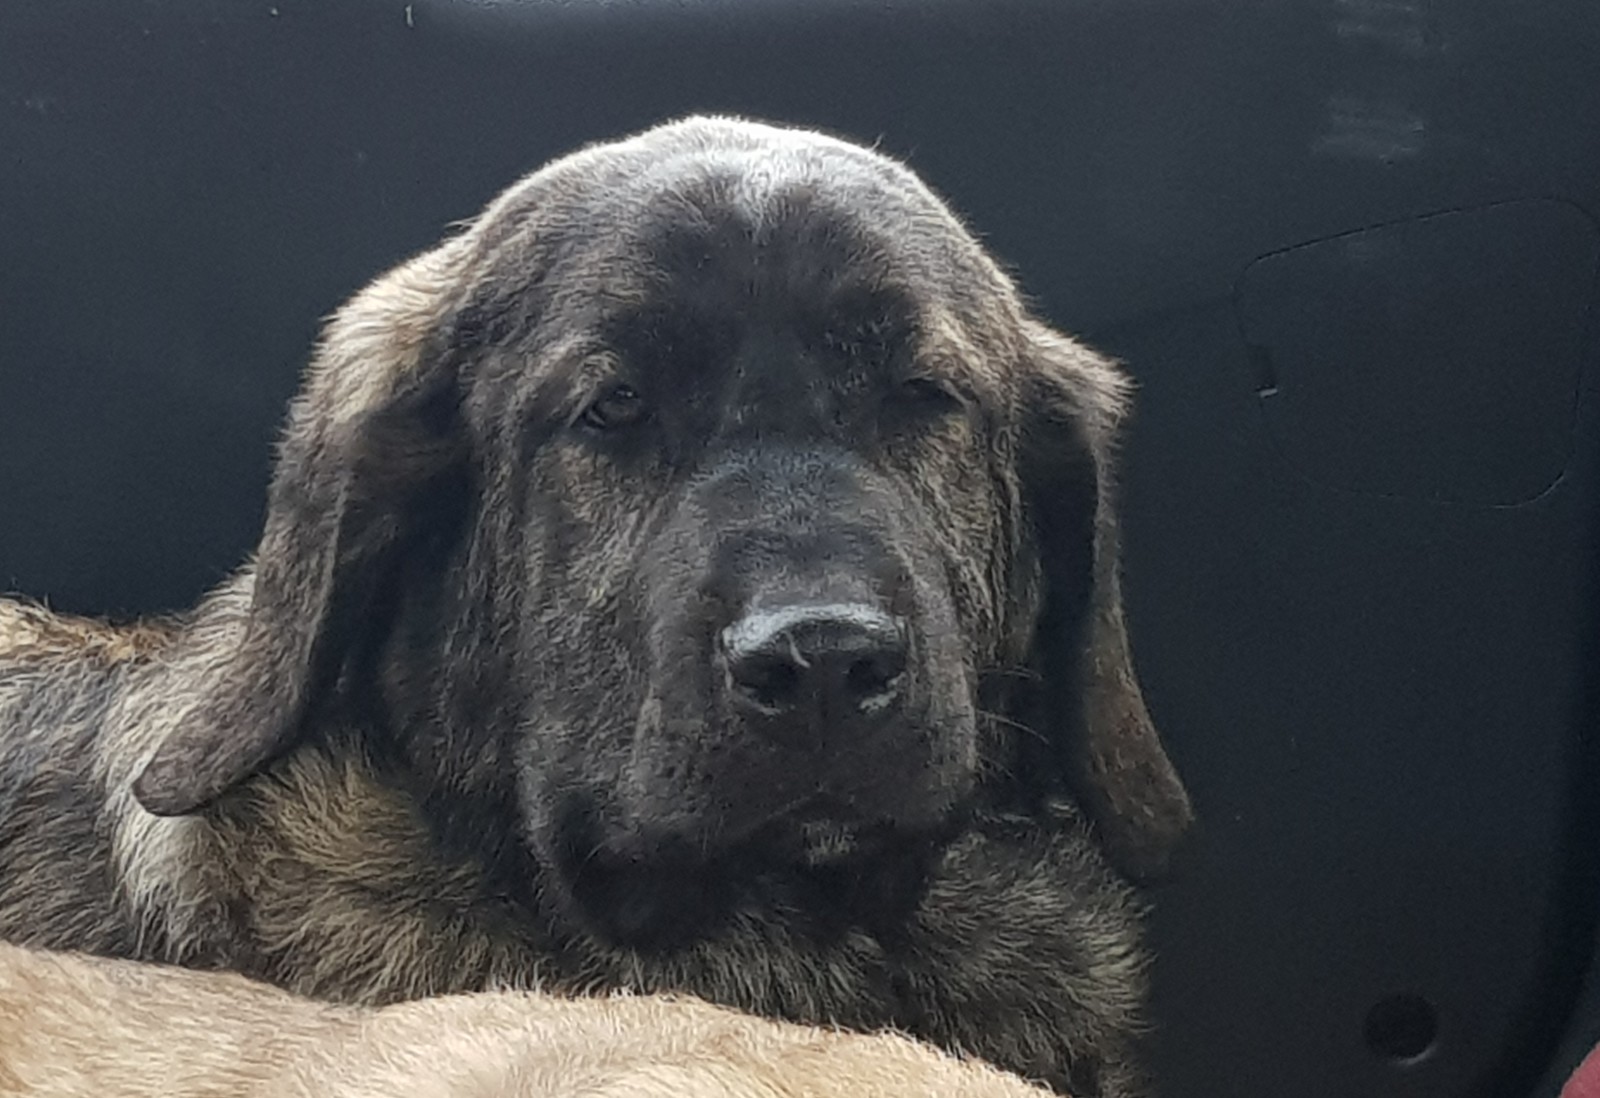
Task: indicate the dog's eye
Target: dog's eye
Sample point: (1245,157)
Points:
(621,406)
(929,394)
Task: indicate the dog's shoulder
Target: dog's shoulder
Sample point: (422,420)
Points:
(59,681)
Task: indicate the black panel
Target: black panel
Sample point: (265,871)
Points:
(1494,301)
(1363,606)
(1372,700)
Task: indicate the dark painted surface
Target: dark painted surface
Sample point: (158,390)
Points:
(1347,246)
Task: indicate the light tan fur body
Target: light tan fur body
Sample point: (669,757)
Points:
(82,1027)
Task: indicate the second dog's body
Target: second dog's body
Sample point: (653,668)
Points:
(79,1027)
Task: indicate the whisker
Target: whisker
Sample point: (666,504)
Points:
(593,855)
(996,767)
(1027,674)
(1000,718)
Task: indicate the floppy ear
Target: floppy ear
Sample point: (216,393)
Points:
(370,431)
(1110,754)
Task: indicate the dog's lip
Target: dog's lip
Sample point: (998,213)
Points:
(821,808)
(812,823)
(788,831)
(817,806)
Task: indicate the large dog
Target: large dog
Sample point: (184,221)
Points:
(89,1027)
(699,573)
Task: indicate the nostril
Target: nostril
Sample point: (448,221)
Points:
(873,676)
(770,681)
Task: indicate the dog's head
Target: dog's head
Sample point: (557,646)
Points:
(711,496)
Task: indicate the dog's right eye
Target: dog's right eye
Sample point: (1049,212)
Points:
(621,406)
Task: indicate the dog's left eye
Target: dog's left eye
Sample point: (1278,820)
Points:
(929,394)
(621,406)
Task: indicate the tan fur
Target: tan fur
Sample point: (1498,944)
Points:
(30,632)
(80,1027)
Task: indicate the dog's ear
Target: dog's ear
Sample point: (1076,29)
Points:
(1111,756)
(371,433)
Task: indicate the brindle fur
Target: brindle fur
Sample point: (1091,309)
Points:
(353,769)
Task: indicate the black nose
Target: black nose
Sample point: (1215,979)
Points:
(813,663)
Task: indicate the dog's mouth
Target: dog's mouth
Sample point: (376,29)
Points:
(662,891)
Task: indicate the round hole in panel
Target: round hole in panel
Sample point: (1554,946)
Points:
(1401,1028)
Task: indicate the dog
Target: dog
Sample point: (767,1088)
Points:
(696,574)
(73,1026)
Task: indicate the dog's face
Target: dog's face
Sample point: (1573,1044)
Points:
(763,504)
(708,500)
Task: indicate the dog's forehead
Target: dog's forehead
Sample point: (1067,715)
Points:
(736,165)
(790,212)
(721,232)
